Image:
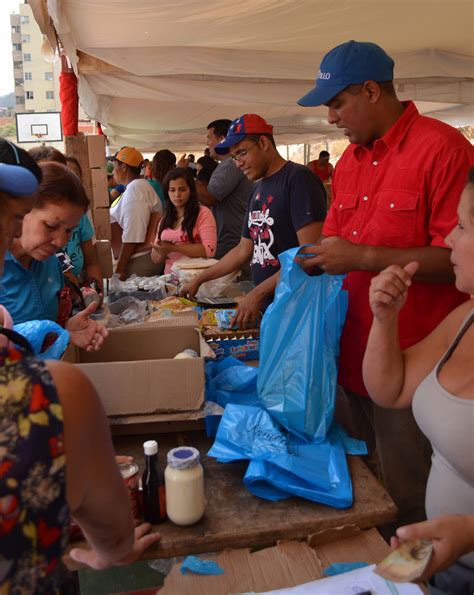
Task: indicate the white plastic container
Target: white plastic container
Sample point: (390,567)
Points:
(184,481)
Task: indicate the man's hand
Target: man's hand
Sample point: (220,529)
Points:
(190,289)
(248,310)
(452,536)
(333,255)
(84,332)
(389,290)
(143,540)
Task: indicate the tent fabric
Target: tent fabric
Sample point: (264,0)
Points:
(177,66)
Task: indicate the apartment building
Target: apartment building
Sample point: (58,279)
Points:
(36,81)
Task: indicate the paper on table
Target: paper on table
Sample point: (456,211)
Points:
(350,583)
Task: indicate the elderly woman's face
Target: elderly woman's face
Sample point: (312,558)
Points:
(12,213)
(48,228)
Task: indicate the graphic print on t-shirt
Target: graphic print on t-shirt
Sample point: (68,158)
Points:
(260,225)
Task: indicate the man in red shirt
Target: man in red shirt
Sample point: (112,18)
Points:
(395,193)
(321,166)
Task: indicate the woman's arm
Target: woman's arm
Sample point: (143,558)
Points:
(191,250)
(390,375)
(95,491)
(207,229)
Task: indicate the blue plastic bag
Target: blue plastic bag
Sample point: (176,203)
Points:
(228,380)
(299,347)
(282,464)
(37,330)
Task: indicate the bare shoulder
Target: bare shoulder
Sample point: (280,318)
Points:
(430,349)
(452,323)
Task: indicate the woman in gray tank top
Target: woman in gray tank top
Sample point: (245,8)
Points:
(436,378)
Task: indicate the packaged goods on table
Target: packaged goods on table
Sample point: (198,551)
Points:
(143,288)
(243,345)
(170,306)
(186,270)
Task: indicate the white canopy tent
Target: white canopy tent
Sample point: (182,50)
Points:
(155,72)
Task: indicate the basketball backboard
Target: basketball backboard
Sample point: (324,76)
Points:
(38,127)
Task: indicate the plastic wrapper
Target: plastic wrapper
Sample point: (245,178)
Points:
(187,269)
(282,464)
(141,288)
(127,310)
(224,319)
(170,306)
(299,347)
(37,331)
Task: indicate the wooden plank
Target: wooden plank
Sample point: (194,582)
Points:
(235,518)
(88,64)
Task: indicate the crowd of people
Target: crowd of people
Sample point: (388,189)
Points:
(400,227)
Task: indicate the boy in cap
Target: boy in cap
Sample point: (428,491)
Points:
(395,193)
(134,216)
(286,209)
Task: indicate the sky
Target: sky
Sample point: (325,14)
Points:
(6,66)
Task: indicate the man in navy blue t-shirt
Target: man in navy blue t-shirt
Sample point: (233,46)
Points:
(286,208)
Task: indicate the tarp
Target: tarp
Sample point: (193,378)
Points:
(161,70)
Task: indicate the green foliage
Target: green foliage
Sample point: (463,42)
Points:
(8,131)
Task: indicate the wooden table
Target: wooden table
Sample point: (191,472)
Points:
(235,518)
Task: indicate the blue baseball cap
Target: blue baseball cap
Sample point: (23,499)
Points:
(350,63)
(17,180)
(240,128)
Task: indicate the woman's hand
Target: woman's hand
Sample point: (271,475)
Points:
(143,540)
(389,289)
(86,333)
(452,536)
(160,251)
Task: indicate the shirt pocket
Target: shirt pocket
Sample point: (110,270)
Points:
(396,218)
(346,206)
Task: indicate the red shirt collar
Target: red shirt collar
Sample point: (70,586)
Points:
(393,137)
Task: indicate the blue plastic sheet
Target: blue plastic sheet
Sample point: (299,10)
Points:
(198,566)
(342,567)
(299,347)
(282,464)
(36,332)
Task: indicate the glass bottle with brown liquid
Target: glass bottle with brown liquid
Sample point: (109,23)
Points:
(154,498)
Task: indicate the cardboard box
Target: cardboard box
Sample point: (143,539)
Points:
(89,150)
(101,217)
(135,374)
(100,193)
(288,564)
(243,345)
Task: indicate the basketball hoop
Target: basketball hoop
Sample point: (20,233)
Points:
(39,127)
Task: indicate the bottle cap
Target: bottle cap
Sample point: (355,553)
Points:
(183,457)
(150,447)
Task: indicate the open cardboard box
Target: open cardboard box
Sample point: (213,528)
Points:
(285,565)
(137,378)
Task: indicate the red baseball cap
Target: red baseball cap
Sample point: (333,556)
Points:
(240,128)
